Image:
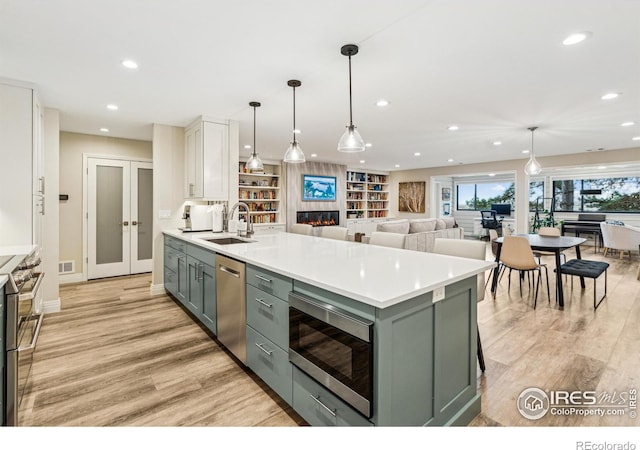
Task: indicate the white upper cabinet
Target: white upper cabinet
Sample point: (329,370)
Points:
(207,161)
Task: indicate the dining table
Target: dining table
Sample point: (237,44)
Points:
(554,244)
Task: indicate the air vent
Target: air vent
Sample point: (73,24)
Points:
(66,267)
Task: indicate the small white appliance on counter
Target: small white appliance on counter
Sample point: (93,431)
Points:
(197,218)
(217,218)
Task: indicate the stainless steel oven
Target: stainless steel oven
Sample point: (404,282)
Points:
(22,330)
(335,348)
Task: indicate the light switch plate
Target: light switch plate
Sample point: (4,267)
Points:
(164,214)
(438,294)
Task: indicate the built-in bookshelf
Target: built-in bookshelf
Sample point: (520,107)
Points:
(367,194)
(261,192)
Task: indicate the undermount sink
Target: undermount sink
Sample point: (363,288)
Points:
(227,241)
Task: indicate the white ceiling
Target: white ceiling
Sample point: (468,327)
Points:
(493,67)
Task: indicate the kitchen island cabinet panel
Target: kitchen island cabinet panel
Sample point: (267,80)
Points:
(270,282)
(195,291)
(209,306)
(270,363)
(175,270)
(268,315)
(201,299)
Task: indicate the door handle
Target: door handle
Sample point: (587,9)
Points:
(134,223)
(125,223)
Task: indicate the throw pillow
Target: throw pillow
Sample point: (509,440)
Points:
(450,222)
(396,226)
(441,224)
(422,225)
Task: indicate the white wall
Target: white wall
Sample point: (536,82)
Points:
(72,148)
(51,231)
(168,190)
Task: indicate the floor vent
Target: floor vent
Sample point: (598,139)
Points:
(66,267)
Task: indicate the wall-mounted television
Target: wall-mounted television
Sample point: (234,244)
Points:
(318,188)
(501,209)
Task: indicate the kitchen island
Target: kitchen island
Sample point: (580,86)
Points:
(421,307)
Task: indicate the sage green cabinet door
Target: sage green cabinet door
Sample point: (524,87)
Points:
(208,289)
(182,290)
(195,296)
(170,281)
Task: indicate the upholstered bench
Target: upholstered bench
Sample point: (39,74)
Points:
(587,269)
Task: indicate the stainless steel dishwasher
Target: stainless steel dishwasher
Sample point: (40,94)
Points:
(231,305)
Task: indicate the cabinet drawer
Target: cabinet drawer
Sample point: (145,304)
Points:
(270,363)
(269,315)
(202,255)
(272,283)
(170,281)
(309,398)
(175,243)
(171,257)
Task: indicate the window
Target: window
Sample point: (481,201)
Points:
(479,196)
(598,195)
(536,191)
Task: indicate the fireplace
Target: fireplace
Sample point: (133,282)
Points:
(318,218)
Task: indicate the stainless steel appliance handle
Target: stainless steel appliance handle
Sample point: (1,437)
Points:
(230,271)
(261,347)
(31,294)
(329,410)
(34,340)
(259,300)
(263,278)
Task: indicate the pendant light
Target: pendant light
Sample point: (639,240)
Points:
(532,167)
(351,141)
(254,163)
(294,152)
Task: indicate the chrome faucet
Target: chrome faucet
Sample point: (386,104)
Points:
(230,216)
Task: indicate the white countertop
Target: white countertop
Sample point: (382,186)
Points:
(3,280)
(16,250)
(377,276)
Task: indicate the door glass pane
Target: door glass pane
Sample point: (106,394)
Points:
(145,213)
(109,214)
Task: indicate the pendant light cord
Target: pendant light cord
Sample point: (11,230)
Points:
(254,131)
(350,101)
(294,114)
(532,130)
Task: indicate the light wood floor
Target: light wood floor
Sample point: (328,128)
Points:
(115,355)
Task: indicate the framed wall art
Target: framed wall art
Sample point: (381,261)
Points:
(411,196)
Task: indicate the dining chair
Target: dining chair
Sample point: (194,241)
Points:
(516,254)
(549,231)
(301,228)
(386,239)
(493,235)
(466,249)
(337,233)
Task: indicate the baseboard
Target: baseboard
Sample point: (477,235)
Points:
(71,278)
(51,306)
(157,289)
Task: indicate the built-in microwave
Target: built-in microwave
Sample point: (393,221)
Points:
(335,348)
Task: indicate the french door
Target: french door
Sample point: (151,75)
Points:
(119,217)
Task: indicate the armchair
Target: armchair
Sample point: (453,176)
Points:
(620,237)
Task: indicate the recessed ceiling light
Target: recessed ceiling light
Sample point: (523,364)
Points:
(313,155)
(635,138)
(576,38)
(453,127)
(627,124)
(492,174)
(362,161)
(496,143)
(368,144)
(112,107)
(416,154)
(397,165)
(129,64)
(104,130)
(450,160)
(610,96)
(525,151)
(247,146)
(296,131)
(382,102)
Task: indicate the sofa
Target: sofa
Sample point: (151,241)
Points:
(420,234)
